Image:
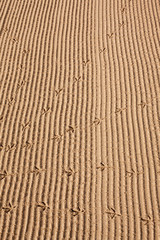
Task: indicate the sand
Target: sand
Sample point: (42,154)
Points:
(79,119)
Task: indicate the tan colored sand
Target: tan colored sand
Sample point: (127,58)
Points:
(79,119)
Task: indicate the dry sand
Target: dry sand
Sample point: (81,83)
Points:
(79,119)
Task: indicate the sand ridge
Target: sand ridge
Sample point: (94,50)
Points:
(79,119)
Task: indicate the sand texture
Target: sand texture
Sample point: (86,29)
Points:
(79,120)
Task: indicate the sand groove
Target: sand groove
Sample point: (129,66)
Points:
(79,119)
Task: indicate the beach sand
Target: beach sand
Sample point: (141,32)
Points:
(79,120)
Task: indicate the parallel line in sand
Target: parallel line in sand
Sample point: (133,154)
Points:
(66,201)
(18,233)
(113,190)
(9,189)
